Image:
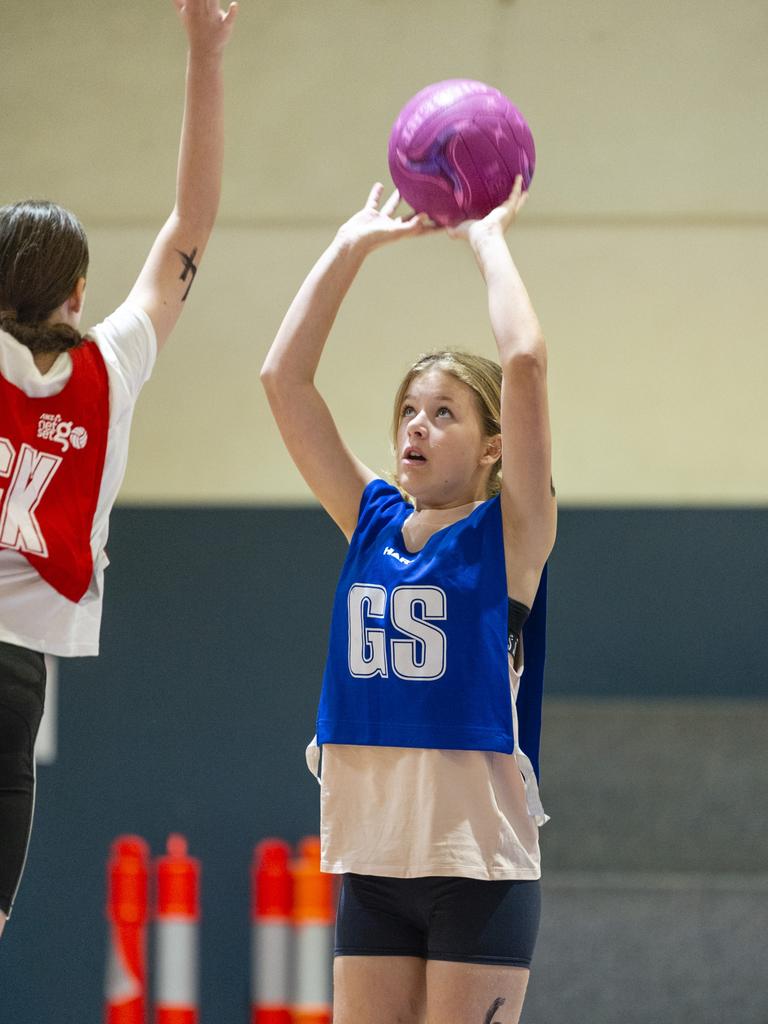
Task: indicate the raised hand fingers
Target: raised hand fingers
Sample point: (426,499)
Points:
(417,224)
(391,204)
(517,196)
(509,209)
(372,202)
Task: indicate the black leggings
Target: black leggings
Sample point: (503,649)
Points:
(22,695)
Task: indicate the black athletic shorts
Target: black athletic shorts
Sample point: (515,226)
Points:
(22,695)
(461,919)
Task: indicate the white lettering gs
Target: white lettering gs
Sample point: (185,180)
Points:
(420,654)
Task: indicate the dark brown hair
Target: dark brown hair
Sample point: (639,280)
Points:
(43,254)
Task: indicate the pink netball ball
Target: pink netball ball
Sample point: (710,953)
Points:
(457,147)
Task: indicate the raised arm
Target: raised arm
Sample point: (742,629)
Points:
(169,272)
(334,474)
(527,497)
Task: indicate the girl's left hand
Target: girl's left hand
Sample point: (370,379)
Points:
(498,220)
(208,28)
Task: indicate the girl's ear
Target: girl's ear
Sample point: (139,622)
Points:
(77,298)
(492,450)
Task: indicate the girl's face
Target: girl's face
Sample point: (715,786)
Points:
(443,458)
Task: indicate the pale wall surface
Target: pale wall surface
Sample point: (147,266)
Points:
(645,243)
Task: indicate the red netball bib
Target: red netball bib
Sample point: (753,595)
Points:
(51,462)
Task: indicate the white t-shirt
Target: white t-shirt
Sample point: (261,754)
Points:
(411,812)
(32,613)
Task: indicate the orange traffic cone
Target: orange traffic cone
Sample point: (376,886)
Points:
(127,885)
(313,917)
(177,924)
(271,928)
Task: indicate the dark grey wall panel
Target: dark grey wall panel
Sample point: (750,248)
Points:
(659,602)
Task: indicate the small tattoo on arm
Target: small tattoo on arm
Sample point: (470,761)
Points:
(189,270)
(499,1001)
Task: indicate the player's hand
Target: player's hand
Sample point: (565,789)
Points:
(498,220)
(376,225)
(208,28)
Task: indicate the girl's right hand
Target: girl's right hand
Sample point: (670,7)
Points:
(372,227)
(497,221)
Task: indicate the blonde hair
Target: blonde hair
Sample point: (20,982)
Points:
(482,376)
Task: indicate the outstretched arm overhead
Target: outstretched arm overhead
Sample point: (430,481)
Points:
(527,497)
(333,473)
(168,274)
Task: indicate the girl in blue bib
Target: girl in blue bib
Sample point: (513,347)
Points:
(428,726)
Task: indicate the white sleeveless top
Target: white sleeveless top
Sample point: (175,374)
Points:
(410,812)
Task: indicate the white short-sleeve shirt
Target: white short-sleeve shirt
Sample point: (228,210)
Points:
(32,613)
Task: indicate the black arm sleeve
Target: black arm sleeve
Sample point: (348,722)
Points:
(517,613)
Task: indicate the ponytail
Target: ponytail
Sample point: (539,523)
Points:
(43,337)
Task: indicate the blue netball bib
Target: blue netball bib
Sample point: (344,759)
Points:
(418,646)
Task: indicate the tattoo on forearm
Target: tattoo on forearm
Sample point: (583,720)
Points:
(189,270)
(499,1001)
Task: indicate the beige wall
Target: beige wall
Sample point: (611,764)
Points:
(645,243)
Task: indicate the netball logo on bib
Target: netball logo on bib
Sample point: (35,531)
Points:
(53,428)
